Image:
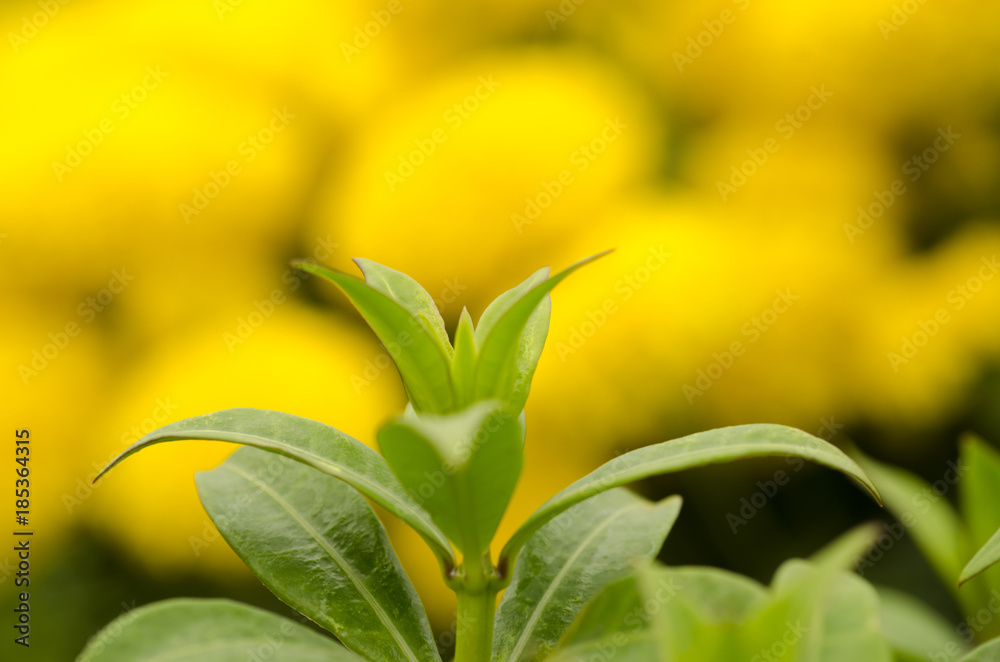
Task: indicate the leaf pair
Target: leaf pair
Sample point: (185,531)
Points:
(462,468)
(315,543)
(495,360)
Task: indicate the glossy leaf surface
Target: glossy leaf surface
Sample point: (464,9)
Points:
(316,543)
(569,561)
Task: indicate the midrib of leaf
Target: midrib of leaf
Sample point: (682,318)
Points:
(331,468)
(557,580)
(335,555)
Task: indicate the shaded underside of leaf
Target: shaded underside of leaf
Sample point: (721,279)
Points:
(314,444)
(703,448)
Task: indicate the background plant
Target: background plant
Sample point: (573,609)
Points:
(958,542)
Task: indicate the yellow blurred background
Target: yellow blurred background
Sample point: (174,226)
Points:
(802,197)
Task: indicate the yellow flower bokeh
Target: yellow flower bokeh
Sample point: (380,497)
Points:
(801,198)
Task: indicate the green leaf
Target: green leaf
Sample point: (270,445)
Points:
(985,558)
(462,467)
(631,617)
(616,609)
(844,552)
(512,344)
(820,613)
(463,363)
(502,303)
(410,295)
(314,444)
(423,364)
(713,446)
(979,497)
(988,652)
(692,611)
(316,543)
(569,561)
(188,630)
(532,338)
(916,632)
(929,518)
(811,613)
(613,627)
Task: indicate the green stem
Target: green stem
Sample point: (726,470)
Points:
(474,634)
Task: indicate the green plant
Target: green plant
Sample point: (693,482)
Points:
(949,537)
(291,503)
